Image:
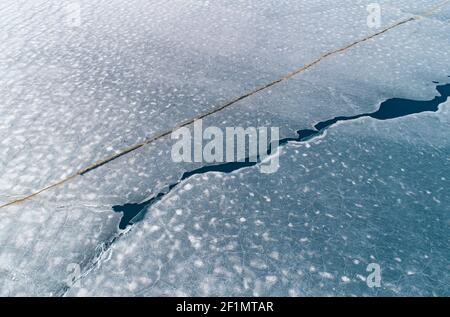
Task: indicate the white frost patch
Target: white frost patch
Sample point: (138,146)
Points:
(195,241)
(345,279)
(326,275)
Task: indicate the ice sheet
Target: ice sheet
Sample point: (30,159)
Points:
(367,192)
(70,96)
(73,95)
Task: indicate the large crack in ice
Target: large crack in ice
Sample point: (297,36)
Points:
(389,109)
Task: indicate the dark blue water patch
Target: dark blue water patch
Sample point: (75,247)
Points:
(132,211)
(389,109)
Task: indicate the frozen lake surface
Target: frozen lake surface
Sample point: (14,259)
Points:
(76,89)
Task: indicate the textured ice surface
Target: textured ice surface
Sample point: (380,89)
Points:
(367,192)
(70,96)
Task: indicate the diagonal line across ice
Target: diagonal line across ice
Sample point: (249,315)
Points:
(214,110)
